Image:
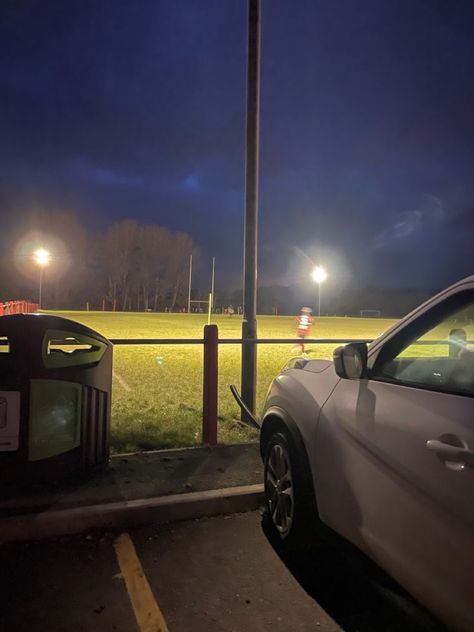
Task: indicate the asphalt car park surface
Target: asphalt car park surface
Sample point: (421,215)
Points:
(223,574)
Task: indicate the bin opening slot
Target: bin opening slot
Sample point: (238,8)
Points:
(68,344)
(66,349)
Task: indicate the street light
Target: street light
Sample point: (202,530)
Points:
(42,258)
(319,275)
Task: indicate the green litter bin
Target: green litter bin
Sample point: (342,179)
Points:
(55,398)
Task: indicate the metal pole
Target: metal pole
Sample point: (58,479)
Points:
(190,275)
(249,323)
(40,286)
(319,299)
(212,282)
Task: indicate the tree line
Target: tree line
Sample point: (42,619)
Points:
(140,267)
(147,266)
(133,265)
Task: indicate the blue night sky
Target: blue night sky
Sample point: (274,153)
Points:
(137,110)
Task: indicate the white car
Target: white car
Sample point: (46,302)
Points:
(378,445)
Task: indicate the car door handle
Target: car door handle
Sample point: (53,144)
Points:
(448,452)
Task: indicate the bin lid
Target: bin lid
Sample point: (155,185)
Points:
(39,323)
(60,341)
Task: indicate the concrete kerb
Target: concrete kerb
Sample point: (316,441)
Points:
(122,514)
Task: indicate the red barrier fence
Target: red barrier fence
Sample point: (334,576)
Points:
(17,307)
(211,343)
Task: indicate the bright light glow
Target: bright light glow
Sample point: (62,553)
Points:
(319,274)
(42,257)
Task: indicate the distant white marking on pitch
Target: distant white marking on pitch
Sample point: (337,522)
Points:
(122,382)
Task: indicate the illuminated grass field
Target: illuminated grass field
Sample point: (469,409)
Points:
(157,390)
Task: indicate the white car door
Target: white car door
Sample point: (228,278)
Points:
(395,459)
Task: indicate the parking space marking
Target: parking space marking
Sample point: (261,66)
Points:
(147,612)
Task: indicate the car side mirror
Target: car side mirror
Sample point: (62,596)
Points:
(350,361)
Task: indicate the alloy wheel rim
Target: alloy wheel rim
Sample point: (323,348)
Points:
(279,489)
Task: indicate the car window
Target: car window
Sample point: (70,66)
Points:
(438,355)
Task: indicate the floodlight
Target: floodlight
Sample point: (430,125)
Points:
(42,257)
(319,274)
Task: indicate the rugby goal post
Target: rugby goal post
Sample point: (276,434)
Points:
(209,304)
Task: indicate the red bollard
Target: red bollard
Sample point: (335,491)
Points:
(209,390)
(1,308)
(114,305)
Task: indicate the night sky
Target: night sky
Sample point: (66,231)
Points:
(118,109)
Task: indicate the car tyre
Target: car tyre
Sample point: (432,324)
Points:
(290,503)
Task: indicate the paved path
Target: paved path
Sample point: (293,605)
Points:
(145,475)
(210,575)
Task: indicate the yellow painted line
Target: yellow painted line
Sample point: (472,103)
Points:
(145,607)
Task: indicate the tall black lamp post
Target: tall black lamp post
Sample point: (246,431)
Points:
(249,324)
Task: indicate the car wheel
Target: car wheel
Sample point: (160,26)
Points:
(289,494)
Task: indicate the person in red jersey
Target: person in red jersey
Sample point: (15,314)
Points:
(304,321)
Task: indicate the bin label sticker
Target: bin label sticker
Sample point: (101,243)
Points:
(9,420)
